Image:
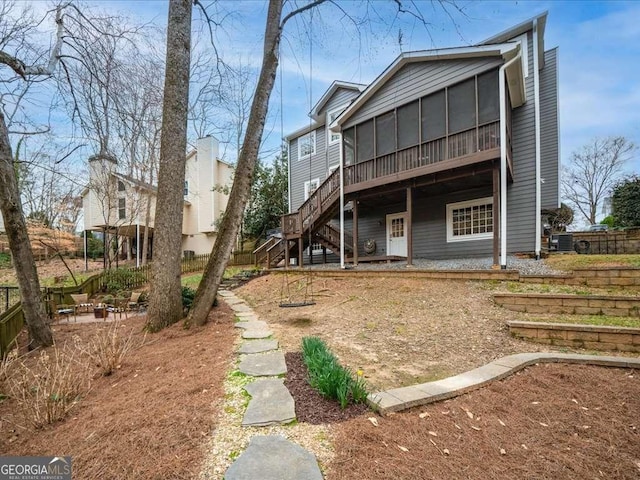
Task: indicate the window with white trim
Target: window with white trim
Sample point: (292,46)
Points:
(333,137)
(310,187)
(122,208)
(186,188)
(307,145)
(470,220)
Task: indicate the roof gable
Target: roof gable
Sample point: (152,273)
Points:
(330,93)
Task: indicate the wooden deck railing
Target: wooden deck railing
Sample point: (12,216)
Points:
(332,236)
(485,137)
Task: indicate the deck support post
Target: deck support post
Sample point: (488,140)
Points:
(324,254)
(409,226)
(300,252)
(355,232)
(287,259)
(496,214)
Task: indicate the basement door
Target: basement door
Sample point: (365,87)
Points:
(397,234)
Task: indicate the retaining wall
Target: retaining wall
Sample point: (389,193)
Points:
(594,337)
(620,306)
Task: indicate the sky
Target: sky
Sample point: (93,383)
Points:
(599,49)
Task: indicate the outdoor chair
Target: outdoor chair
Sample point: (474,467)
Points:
(57,311)
(134,301)
(82,302)
(119,306)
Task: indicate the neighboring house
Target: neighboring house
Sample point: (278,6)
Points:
(117,204)
(448,153)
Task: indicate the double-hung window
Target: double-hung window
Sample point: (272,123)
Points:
(470,220)
(333,137)
(307,145)
(310,187)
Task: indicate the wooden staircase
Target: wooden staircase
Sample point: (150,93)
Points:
(309,223)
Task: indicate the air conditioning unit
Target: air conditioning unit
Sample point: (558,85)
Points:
(561,242)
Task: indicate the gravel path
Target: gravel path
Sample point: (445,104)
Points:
(526,266)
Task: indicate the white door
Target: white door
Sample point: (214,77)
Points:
(397,234)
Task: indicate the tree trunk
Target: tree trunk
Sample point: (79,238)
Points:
(34,314)
(165,300)
(241,189)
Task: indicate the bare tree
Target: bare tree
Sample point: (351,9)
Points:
(593,172)
(16,38)
(246,163)
(165,301)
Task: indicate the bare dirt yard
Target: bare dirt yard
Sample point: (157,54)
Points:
(398,331)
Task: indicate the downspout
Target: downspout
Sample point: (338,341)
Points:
(341,203)
(536,101)
(503,161)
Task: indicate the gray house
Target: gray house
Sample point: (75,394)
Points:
(448,153)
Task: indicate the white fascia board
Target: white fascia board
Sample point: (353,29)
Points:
(421,56)
(329,93)
(521,28)
(302,131)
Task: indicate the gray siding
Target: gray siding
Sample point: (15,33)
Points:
(521,204)
(317,166)
(309,168)
(415,80)
(549,140)
(342,96)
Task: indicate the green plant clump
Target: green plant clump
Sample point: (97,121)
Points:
(188,294)
(330,378)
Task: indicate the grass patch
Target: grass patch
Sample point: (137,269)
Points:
(191,281)
(602,320)
(571,262)
(330,378)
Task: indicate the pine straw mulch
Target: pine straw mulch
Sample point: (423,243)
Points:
(547,422)
(148,420)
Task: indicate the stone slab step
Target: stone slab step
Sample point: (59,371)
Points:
(252,325)
(270,404)
(256,334)
(272,457)
(258,346)
(263,364)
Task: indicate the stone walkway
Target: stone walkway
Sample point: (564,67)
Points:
(268,457)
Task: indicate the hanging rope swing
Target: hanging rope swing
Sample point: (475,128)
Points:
(298,291)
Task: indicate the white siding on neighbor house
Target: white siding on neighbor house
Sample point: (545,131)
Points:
(415,80)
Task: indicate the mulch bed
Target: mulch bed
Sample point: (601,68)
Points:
(558,421)
(148,420)
(311,407)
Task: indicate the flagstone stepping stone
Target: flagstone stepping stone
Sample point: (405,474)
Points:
(270,404)
(263,364)
(226,293)
(233,301)
(273,457)
(258,346)
(246,315)
(241,307)
(252,325)
(256,334)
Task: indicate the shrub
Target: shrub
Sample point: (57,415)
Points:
(122,279)
(48,387)
(108,348)
(330,378)
(188,294)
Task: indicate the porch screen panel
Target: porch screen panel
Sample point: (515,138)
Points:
(385,134)
(433,116)
(462,106)
(488,97)
(408,125)
(364,141)
(349,137)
